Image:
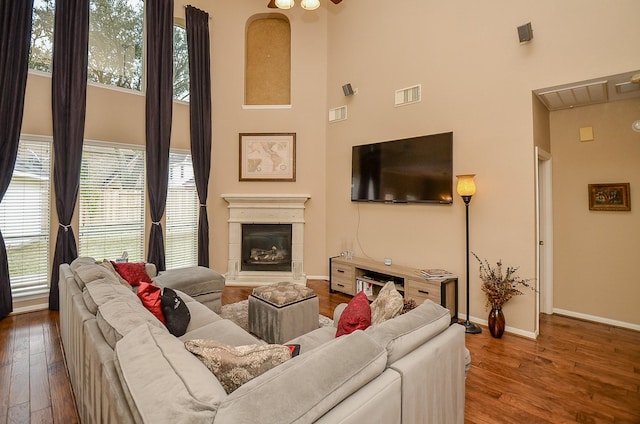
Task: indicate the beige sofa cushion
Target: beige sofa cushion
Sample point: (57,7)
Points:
(314,382)
(406,332)
(86,273)
(193,280)
(118,317)
(102,290)
(81,260)
(163,382)
(222,330)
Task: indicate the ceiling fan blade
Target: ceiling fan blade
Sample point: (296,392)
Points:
(272,4)
(336,1)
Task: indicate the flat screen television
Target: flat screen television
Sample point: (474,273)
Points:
(410,170)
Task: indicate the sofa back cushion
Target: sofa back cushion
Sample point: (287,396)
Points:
(406,332)
(314,382)
(118,317)
(102,290)
(163,382)
(81,260)
(84,273)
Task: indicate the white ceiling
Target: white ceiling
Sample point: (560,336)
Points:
(583,93)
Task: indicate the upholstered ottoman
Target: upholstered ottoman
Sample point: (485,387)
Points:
(201,283)
(281,311)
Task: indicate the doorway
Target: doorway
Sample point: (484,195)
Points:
(544,236)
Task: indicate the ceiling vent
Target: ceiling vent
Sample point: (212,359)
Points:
(338,114)
(574,96)
(408,95)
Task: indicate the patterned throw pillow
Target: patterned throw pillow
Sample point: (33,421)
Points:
(235,365)
(133,272)
(387,305)
(356,316)
(150,296)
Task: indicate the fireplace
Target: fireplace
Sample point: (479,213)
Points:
(266,247)
(278,252)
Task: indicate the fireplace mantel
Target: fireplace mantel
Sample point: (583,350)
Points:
(265,209)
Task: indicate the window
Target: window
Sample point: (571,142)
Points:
(180,62)
(41,54)
(112,202)
(24,218)
(116,42)
(181,213)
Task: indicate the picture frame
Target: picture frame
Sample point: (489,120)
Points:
(609,197)
(267,157)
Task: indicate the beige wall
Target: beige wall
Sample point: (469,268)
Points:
(118,116)
(596,252)
(477,82)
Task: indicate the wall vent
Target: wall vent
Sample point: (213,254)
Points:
(338,114)
(406,96)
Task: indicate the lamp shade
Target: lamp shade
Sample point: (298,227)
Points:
(466,185)
(310,4)
(284,4)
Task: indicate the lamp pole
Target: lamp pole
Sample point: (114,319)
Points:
(469,327)
(466,189)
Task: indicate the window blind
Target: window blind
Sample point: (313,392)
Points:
(112,202)
(181,219)
(24,219)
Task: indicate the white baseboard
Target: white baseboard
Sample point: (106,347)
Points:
(31,308)
(594,318)
(318,277)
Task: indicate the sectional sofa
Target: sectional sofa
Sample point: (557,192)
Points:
(125,367)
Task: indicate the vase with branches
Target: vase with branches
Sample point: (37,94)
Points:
(499,285)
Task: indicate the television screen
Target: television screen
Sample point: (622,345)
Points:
(410,170)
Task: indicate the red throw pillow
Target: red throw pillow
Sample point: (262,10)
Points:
(356,316)
(134,272)
(151,297)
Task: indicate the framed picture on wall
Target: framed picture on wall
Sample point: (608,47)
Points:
(267,156)
(609,197)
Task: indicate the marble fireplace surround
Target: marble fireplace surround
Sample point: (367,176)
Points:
(265,209)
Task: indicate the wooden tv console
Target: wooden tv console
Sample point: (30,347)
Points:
(346,273)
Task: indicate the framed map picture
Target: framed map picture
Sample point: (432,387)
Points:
(267,156)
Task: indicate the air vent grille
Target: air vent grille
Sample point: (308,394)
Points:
(406,96)
(338,114)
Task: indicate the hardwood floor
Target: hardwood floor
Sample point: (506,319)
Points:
(576,372)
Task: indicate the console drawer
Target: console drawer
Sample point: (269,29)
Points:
(342,279)
(422,290)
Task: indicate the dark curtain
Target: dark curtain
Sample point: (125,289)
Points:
(15,38)
(200,114)
(159,102)
(69,101)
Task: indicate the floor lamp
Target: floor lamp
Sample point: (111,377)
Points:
(466,189)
